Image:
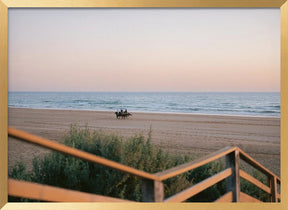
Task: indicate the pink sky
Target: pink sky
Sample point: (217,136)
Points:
(144,50)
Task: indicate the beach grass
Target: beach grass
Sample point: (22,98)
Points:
(136,151)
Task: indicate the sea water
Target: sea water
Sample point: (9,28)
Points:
(219,103)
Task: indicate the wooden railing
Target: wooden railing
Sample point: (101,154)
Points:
(152,184)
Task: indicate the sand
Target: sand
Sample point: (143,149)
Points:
(192,134)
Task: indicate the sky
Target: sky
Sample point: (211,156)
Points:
(187,50)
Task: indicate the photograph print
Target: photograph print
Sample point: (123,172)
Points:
(145,105)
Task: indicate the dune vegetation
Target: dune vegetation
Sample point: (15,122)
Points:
(137,151)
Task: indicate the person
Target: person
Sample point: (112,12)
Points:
(125,111)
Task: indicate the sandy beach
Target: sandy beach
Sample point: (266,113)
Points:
(196,135)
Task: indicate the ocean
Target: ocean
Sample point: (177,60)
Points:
(216,103)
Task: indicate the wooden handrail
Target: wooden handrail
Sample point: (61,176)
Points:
(153,181)
(12,132)
(248,159)
(254,181)
(49,193)
(194,164)
(188,193)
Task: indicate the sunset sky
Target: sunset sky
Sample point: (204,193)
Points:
(144,50)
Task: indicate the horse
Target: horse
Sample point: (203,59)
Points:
(122,114)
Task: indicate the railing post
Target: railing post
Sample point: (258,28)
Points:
(152,191)
(233,182)
(273,186)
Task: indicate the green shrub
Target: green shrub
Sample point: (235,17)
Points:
(19,171)
(68,172)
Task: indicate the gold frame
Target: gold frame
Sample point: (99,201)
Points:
(6,4)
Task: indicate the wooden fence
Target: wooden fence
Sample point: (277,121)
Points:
(152,184)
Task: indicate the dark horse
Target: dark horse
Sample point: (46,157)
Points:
(122,114)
